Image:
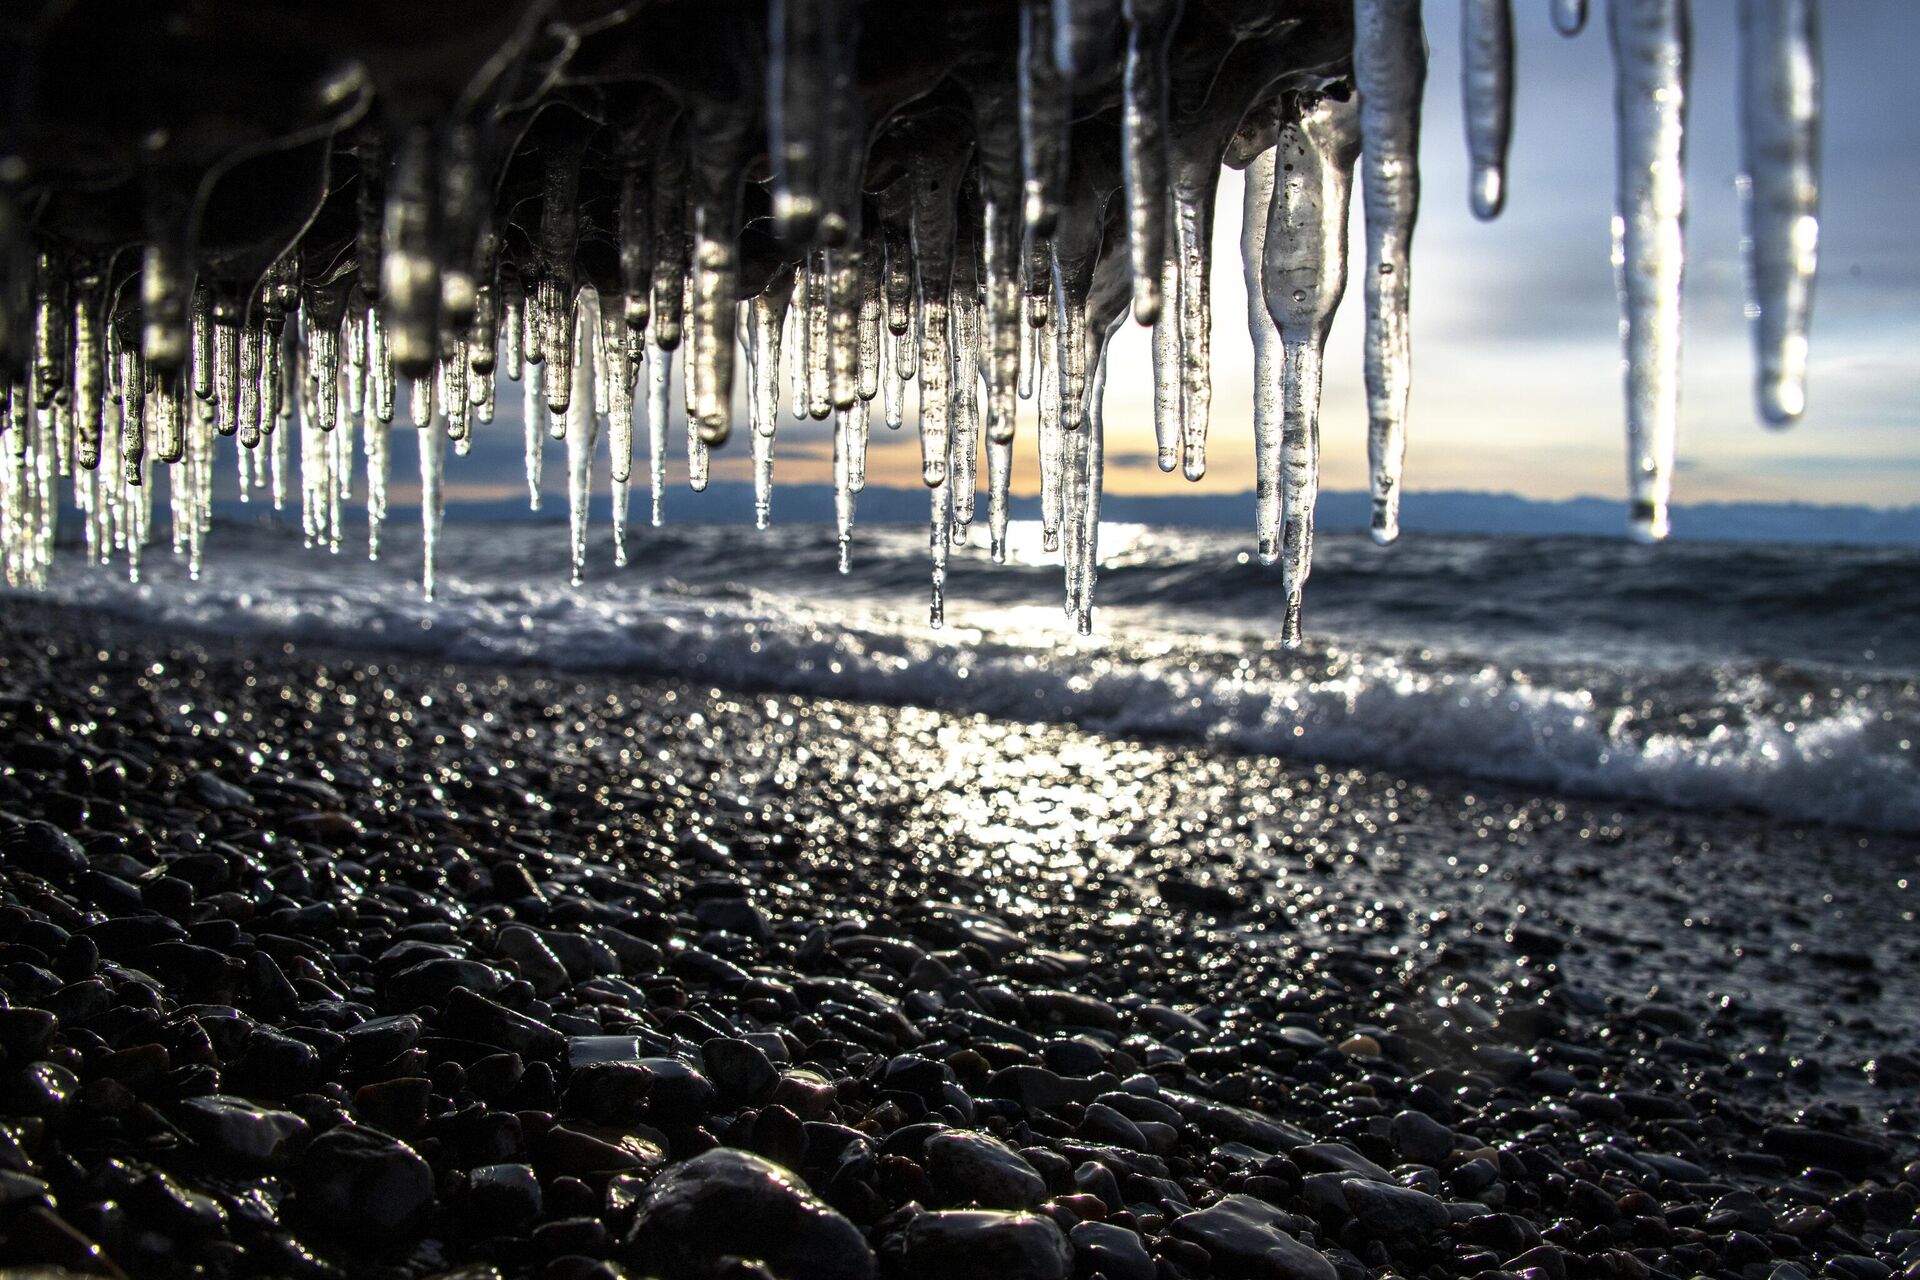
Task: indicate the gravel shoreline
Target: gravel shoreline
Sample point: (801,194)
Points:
(319,965)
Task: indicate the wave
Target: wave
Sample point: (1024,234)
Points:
(1794,741)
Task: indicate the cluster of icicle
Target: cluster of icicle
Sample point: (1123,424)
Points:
(978,311)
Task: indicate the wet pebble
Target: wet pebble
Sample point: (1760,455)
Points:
(727,1203)
(358,1182)
(1248,1236)
(978,1244)
(973,1168)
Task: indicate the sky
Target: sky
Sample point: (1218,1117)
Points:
(1516,349)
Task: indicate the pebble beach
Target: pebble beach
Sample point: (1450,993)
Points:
(320,964)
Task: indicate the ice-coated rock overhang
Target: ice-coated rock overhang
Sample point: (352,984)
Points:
(281,224)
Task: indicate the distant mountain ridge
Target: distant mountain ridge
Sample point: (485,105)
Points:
(1445,511)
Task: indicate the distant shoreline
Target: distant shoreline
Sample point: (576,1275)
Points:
(1434,512)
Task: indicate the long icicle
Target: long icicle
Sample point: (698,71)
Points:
(1650,39)
(659,387)
(765,316)
(1143,131)
(1305,274)
(1193,227)
(1486,89)
(843,486)
(1780,183)
(1390,66)
(1048,439)
(534,413)
(582,426)
(433,472)
(1267,359)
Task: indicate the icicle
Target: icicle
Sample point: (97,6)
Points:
(581,428)
(620,490)
(934,182)
(513,332)
(323,368)
(1486,89)
(892,387)
(601,386)
(340,471)
(1144,141)
(273,372)
(1168,381)
(906,356)
(760,328)
(558,315)
(89,375)
(699,459)
(1780,186)
(315,483)
(762,478)
(1051,446)
(1046,104)
(383,382)
(433,470)
(843,488)
(1092,480)
(896,237)
(201,342)
(1304,274)
(483,340)
(867,325)
(1036,280)
(1569,16)
(798,343)
(999,483)
(937,539)
(1001,327)
(420,400)
(819,340)
(844,270)
(133,441)
(963,451)
(169,438)
(1193,227)
(713,306)
(277,465)
(1267,356)
(1390,70)
(765,316)
(455,406)
(617,375)
(1649,40)
(533,409)
(253,340)
(243,461)
(636,248)
(1070,346)
(857,431)
(378,446)
(659,384)
(226,371)
(1073,491)
(1030,363)
(669,246)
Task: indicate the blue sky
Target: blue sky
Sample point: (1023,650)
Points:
(1516,375)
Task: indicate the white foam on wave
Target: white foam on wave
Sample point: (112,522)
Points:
(1542,729)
